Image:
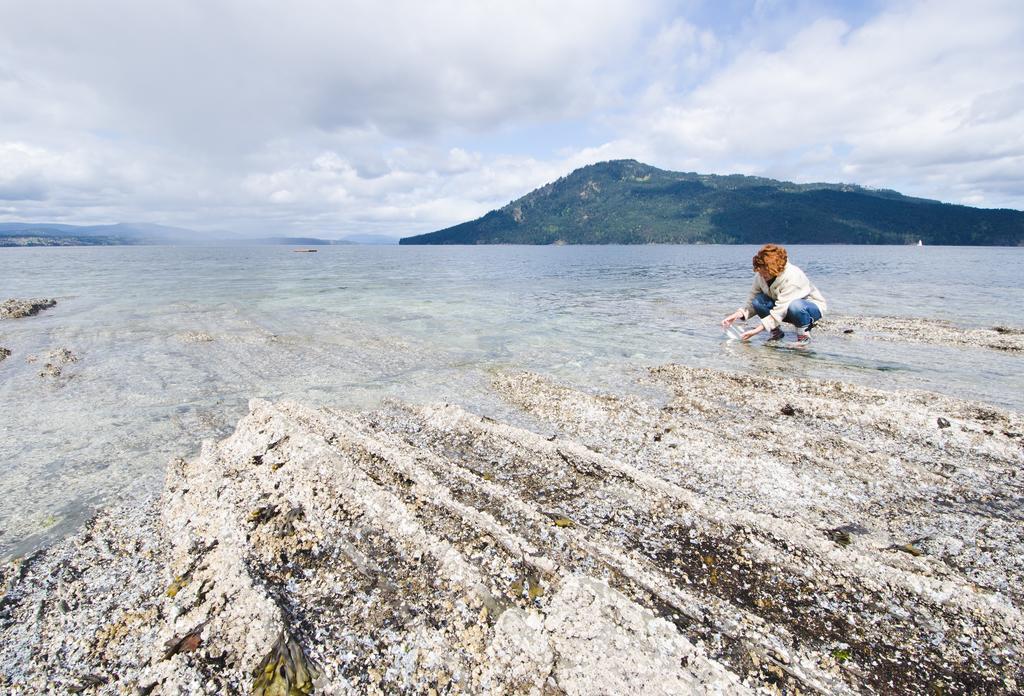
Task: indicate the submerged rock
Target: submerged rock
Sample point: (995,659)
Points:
(4,353)
(15,308)
(195,337)
(56,361)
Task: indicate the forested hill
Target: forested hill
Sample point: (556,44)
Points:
(627,202)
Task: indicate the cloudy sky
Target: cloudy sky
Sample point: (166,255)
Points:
(394,117)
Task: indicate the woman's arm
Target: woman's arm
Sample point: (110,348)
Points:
(747,310)
(747,335)
(738,314)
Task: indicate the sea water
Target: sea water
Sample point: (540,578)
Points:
(351,325)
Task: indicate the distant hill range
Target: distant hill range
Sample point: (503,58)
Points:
(627,202)
(54,234)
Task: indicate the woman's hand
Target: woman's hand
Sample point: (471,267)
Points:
(727,322)
(753,332)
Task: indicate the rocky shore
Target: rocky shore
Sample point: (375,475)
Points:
(733,535)
(921,330)
(15,308)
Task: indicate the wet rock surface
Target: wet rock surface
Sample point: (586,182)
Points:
(54,362)
(710,544)
(928,331)
(4,353)
(195,337)
(16,309)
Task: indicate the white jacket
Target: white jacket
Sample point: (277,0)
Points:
(791,284)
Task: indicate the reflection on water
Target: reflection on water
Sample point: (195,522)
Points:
(782,356)
(352,325)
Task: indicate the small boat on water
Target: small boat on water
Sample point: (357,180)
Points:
(305,251)
(920,242)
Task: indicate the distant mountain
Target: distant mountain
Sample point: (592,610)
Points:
(370,239)
(293,241)
(16,227)
(54,234)
(627,202)
(28,239)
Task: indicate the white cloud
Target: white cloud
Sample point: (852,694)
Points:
(224,102)
(409,198)
(920,98)
(401,117)
(234,73)
(680,53)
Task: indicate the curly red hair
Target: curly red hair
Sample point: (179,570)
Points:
(771,258)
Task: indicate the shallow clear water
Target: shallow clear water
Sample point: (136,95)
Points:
(350,325)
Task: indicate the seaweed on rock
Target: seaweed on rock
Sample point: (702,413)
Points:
(285,671)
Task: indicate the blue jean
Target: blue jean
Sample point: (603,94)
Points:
(799,312)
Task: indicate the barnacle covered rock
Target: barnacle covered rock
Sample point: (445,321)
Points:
(427,549)
(16,309)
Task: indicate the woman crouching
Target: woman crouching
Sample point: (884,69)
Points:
(780,293)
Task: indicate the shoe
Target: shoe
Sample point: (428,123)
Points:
(803,335)
(776,335)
